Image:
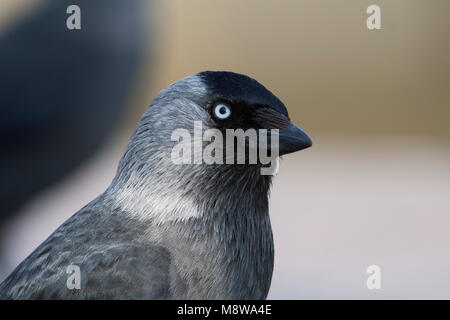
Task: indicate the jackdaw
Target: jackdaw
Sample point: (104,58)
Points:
(163,230)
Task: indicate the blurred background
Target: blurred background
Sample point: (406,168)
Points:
(373,189)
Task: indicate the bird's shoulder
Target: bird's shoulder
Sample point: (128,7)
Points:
(112,264)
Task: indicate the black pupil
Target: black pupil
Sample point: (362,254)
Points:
(222,110)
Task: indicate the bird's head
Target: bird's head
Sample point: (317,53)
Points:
(180,149)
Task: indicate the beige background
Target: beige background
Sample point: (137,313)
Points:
(375,186)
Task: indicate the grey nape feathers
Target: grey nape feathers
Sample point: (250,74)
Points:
(168,231)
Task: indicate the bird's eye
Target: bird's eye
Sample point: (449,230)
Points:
(222,111)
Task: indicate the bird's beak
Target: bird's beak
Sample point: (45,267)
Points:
(293,139)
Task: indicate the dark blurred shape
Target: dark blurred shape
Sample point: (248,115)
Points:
(62,91)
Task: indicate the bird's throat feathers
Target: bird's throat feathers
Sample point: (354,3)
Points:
(191,191)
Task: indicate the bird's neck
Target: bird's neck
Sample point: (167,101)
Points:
(232,239)
(231,250)
(215,223)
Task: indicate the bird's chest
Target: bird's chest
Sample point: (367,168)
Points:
(223,263)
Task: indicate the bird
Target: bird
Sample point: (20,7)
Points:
(163,230)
